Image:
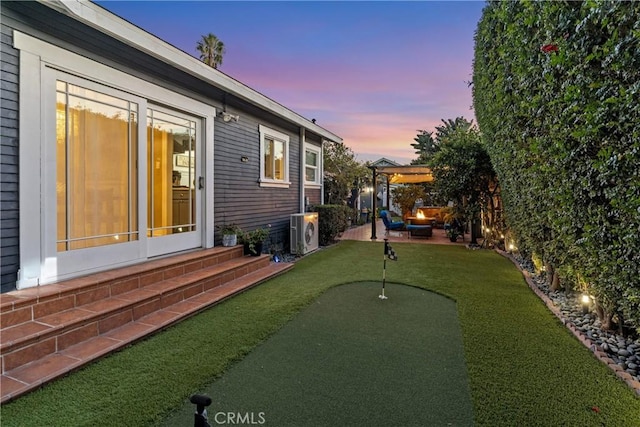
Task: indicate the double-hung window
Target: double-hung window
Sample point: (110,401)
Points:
(274,158)
(312,170)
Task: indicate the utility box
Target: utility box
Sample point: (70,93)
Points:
(304,233)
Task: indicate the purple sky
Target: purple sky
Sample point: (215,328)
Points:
(373,73)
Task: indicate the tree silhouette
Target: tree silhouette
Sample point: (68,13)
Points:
(425,147)
(211,50)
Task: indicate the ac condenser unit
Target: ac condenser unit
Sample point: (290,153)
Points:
(304,233)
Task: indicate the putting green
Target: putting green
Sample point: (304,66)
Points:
(351,358)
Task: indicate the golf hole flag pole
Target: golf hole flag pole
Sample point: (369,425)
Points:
(391,254)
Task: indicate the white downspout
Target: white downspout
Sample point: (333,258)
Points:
(302,156)
(321,172)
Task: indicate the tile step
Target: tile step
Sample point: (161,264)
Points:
(137,301)
(23,379)
(145,273)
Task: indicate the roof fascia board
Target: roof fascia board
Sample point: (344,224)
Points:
(118,28)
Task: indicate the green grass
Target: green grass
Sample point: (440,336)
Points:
(524,367)
(352,359)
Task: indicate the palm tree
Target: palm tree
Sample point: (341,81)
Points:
(211,50)
(450,127)
(425,147)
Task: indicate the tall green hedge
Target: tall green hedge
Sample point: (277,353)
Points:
(556,88)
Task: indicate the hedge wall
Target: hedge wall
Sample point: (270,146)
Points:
(556,89)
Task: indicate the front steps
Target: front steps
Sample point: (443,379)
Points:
(49,331)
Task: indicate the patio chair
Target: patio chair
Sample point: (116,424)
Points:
(389,224)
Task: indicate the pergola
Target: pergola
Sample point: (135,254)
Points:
(411,174)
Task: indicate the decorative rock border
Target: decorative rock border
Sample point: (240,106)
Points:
(596,349)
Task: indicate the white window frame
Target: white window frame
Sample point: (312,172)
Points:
(265,133)
(318,151)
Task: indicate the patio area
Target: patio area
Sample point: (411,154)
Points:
(363,233)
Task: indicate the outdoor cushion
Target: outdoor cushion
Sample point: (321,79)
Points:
(420,230)
(388,223)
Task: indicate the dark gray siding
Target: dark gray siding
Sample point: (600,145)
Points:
(314,195)
(238,196)
(9,227)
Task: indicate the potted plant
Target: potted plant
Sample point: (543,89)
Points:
(230,234)
(452,232)
(253,240)
(453,220)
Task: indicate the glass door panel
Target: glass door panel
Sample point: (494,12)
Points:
(172,202)
(96,152)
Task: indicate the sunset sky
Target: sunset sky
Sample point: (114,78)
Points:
(373,73)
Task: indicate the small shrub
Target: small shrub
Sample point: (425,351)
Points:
(332,220)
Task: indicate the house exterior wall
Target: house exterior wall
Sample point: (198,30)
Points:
(314,196)
(236,192)
(9,214)
(238,197)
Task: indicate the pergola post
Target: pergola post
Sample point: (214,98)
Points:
(373,206)
(388,196)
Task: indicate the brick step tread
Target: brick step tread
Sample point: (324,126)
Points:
(25,333)
(31,376)
(26,297)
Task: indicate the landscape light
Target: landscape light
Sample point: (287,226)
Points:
(586,302)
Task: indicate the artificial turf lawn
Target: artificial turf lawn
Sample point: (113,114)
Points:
(524,367)
(352,359)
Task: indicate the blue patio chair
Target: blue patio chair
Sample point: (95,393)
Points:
(389,224)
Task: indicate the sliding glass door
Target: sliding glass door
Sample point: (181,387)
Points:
(104,206)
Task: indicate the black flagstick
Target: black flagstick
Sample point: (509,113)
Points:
(391,254)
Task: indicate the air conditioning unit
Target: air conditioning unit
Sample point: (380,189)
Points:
(304,233)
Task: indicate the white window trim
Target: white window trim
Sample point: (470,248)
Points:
(318,150)
(35,57)
(279,136)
